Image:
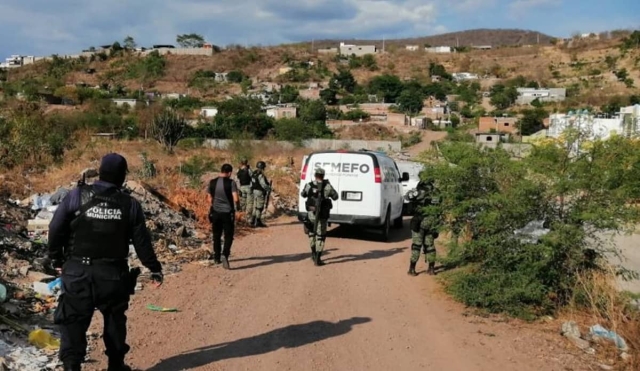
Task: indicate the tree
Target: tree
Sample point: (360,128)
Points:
(288,94)
(191,40)
(129,43)
(436,69)
(411,101)
(531,121)
(388,86)
(344,80)
(369,62)
(168,128)
(622,74)
(503,97)
(292,130)
(329,96)
(235,76)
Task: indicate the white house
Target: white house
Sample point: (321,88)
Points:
(626,123)
(462,76)
(357,50)
(121,102)
(528,95)
(438,49)
(412,48)
(208,112)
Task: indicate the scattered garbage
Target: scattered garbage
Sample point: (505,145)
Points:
(532,232)
(597,331)
(43,340)
(54,285)
(156,308)
(571,331)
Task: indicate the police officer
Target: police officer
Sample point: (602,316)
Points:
(246,195)
(89,243)
(260,187)
(319,191)
(223,193)
(425,225)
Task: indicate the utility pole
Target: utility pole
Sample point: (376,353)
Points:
(457,42)
(312,44)
(382,44)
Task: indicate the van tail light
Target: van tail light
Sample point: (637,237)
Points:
(376,172)
(303,176)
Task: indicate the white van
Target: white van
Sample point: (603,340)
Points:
(369,187)
(414,169)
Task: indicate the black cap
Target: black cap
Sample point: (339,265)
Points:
(113,169)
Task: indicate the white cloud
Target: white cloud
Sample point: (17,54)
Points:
(67,26)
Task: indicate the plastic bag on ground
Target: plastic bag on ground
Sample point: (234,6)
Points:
(601,332)
(43,340)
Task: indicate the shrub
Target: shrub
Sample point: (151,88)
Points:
(168,128)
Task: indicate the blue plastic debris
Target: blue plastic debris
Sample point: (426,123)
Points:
(602,332)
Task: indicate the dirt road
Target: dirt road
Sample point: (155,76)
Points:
(276,311)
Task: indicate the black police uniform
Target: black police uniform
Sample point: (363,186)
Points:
(90,233)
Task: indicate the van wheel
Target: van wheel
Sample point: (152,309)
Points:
(386,227)
(397,223)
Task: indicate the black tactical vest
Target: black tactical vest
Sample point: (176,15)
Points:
(312,200)
(244,177)
(101,230)
(255,184)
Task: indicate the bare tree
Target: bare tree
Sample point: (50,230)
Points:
(168,128)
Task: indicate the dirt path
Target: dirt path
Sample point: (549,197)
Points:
(275,311)
(428,136)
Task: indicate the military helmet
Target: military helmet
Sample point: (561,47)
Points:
(319,171)
(261,165)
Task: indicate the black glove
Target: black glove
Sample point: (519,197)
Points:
(157,277)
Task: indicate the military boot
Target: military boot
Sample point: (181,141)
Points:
(313,254)
(72,367)
(432,269)
(260,224)
(252,222)
(318,261)
(412,269)
(118,367)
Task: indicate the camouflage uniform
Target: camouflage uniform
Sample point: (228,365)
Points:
(246,194)
(424,226)
(318,236)
(260,187)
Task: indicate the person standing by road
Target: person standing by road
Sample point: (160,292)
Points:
(223,193)
(246,194)
(89,244)
(425,225)
(318,193)
(260,187)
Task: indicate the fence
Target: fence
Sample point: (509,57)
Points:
(319,144)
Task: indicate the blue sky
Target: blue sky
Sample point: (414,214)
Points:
(44,27)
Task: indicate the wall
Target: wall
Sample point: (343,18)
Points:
(319,144)
(486,124)
(181,51)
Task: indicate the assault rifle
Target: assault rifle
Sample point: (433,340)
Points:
(316,213)
(268,196)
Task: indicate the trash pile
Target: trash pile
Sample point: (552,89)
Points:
(29,289)
(597,335)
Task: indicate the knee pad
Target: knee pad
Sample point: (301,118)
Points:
(321,237)
(415,247)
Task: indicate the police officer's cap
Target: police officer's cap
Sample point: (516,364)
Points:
(319,171)
(113,169)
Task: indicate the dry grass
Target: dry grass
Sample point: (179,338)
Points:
(598,301)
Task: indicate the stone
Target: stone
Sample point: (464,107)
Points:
(625,356)
(89,173)
(24,270)
(571,329)
(182,232)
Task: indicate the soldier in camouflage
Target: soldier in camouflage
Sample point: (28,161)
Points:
(425,225)
(319,188)
(260,187)
(246,194)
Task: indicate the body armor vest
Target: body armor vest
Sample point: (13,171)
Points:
(243,177)
(312,200)
(255,184)
(101,229)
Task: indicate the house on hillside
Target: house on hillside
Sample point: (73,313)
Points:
(208,112)
(122,102)
(412,48)
(491,138)
(528,95)
(464,76)
(281,112)
(438,49)
(357,50)
(626,123)
(498,125)
(481,47)
(419,122)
